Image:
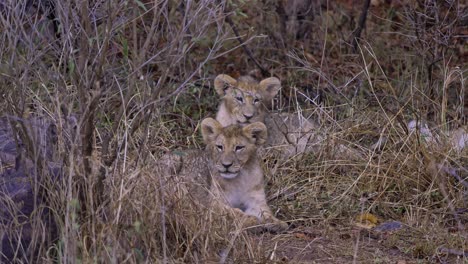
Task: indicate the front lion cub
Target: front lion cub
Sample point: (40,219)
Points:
(232,170)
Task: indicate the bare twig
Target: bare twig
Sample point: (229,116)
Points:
(361,25)
(247,51)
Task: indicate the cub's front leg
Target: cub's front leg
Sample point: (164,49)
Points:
(244,220)
(258,207)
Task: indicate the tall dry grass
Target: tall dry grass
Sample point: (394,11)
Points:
(111,66)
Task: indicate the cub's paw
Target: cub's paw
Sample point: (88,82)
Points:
(252,224)
(276,225)
(245,221)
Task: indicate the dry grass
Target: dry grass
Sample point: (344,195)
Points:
(125,81)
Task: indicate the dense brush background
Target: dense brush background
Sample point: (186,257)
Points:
(93,92)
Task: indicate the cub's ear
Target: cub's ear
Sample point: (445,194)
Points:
(222,83)
(210,129)
(257,132)
(270,87)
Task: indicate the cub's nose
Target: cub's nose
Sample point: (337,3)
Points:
(226,165)
(248,117)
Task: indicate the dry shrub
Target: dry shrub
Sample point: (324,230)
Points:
(111,65)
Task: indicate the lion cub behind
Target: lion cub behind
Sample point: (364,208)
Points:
(228,171)
(245,100)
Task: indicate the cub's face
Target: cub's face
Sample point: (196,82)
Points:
(232,147)
(245,99)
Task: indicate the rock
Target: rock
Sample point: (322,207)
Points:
(26,223)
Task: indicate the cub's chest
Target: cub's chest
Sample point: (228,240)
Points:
(236,200)
(239,191)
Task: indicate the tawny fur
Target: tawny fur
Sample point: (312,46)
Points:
(230,170)
(244,100)
(289,134)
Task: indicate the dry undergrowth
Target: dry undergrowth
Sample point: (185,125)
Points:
(125,81)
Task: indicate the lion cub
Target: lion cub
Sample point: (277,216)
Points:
(245,101)
(232,170)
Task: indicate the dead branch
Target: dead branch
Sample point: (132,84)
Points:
(247,51)
(361,25)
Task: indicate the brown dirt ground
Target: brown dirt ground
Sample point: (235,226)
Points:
(346,244)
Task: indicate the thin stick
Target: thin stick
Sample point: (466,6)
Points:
(361,25)
(265,73)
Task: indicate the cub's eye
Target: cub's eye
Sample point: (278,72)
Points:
(219,147)
(240,99)
(256,100)
(239,148)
